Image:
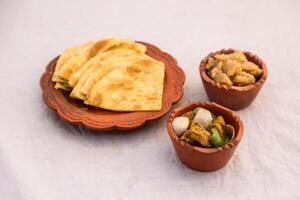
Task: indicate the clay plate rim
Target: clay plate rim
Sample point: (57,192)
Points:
(250,56)
(191,105)
(67,111)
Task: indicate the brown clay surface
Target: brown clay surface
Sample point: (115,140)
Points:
(235,97)
(206,159)
(76,112)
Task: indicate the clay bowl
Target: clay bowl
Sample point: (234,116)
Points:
(206,159)
(235,97)
(75,112)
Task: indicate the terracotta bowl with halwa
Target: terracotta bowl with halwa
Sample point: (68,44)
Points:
(232,78)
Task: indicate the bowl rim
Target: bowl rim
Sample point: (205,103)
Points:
(227,146)
(248,54)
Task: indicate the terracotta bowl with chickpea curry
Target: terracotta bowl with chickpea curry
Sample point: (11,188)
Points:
(204,134)
(232,78)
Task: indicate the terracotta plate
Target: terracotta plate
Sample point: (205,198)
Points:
(76,112)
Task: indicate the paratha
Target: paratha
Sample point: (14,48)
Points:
(113,74)
(66,55)
(111,56)
(77,57)
(136,87)
(101,66)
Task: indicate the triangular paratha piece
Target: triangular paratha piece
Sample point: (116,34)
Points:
(135,87)
(111,55)
(102,66)
(66,55)
(73,63)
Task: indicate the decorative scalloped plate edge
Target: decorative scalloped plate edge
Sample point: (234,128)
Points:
(50,97)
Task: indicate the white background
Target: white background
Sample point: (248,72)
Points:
(42,157)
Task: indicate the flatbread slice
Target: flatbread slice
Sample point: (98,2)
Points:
(101,67)
(66,55)
(62,86)
(77,61)
(111,56)
(136,87)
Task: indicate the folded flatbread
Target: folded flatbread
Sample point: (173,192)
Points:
(73,59)
(135,87)
(113,74)
(101,65)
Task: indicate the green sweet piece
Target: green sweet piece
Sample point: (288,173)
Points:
(213,116)
(216,139)
(196,110)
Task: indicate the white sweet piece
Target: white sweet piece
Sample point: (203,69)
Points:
(203,117)
(180,125)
